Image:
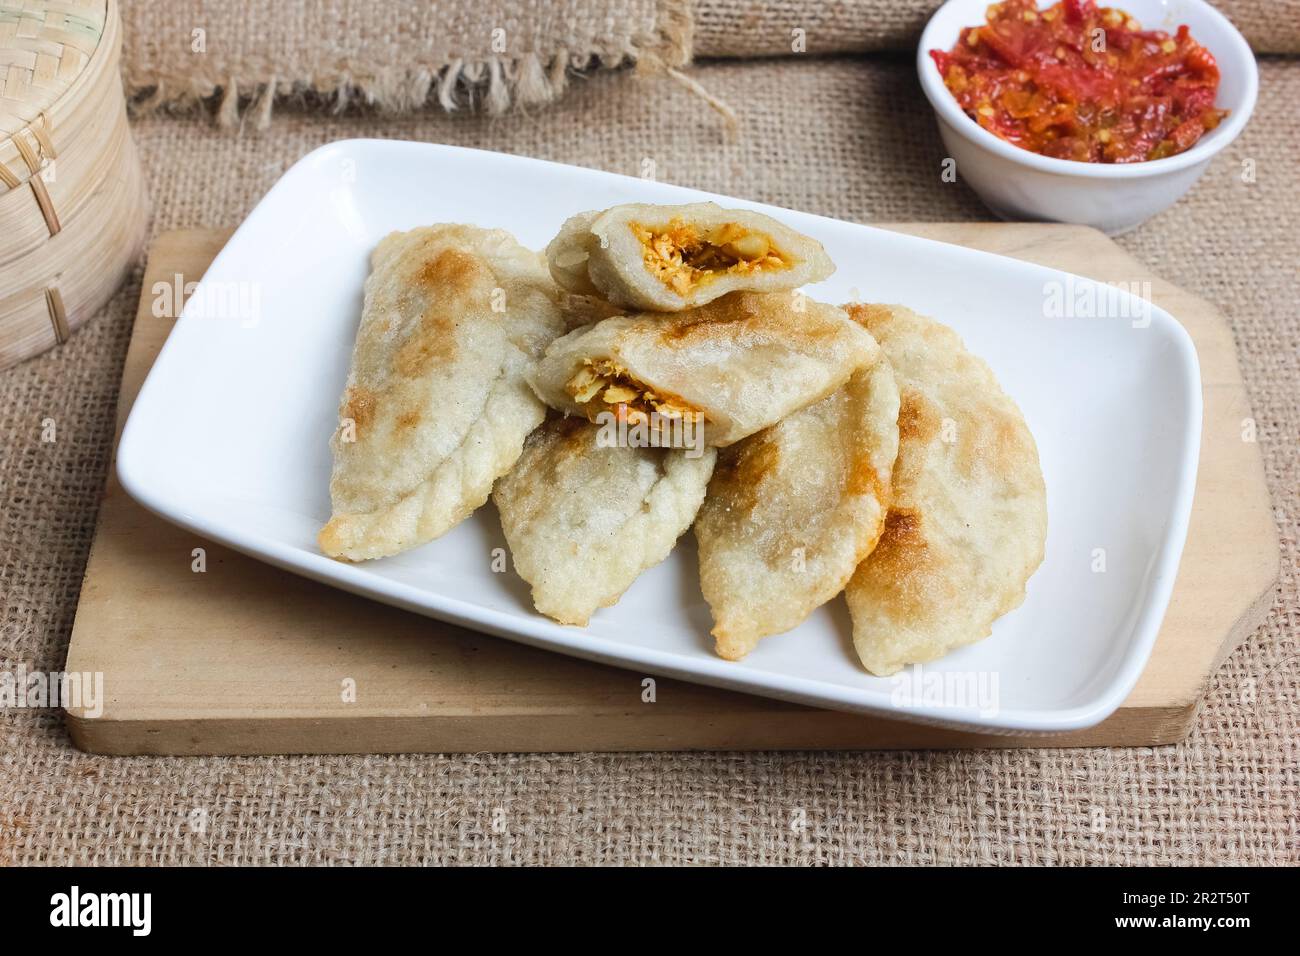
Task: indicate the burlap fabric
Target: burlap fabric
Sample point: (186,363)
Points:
(396,54)
(471,54)
(834,136)
(725,28)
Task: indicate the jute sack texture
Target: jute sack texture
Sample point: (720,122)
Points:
(837,136)
(491,55)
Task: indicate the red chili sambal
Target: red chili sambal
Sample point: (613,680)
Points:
(1078,81)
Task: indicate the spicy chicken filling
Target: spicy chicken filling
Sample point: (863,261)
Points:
(601,385)
(683,258)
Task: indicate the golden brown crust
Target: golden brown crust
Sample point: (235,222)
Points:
(436,405)
(917,418)
(584,520)
(793,510)
(969,516)
(359,406)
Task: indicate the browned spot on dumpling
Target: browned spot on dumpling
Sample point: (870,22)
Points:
(863,479)
(422,350)
(745,474)
(902,557)
(725,318)
(450,275)
(1012,442)
(868,315)
(359,405)
(743,467)
(558,446)
(430,343)
(450,271)
(712,321)
(575,434)
(903,529)
(990,446)
(918,420)
(408,419)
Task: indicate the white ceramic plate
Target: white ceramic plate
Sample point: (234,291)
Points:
(229,439)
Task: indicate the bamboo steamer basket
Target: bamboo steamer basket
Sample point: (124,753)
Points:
(73,207)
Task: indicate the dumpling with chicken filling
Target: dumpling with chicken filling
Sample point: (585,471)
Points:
(669,258)
(712,375)
(436,405)
(583,516)
(792,511)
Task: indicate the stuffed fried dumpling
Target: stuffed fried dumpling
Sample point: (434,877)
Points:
(729,368)
(579,310)
(583,519)
(436,405)
(669,258)
(968,521)
(793,510)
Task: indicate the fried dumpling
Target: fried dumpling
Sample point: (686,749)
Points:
(669,258)
(584,518)
(793,510)
(729,368)
(968,521)
(578,310)
(436,405)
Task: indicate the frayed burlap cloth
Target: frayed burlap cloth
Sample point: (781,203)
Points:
(491,55)
(394,54)
(835,136)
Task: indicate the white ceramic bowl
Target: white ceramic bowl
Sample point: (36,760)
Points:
(1021,185)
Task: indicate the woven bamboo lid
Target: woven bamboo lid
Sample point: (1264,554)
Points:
(69,232)
(45,47)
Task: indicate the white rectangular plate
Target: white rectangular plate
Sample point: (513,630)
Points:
(229,439)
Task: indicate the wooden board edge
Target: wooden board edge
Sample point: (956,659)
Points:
(804,730)
(1268,570)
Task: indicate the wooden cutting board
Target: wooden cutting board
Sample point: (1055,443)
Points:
(247,659)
